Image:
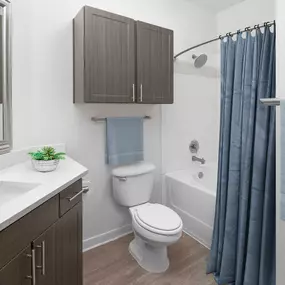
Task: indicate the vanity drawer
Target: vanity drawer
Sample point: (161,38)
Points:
(19,235)
(70,197)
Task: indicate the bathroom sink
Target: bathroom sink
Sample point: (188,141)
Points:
(10,190)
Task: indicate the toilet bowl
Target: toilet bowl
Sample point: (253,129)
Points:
(155,226)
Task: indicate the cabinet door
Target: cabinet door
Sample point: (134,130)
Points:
(69,247)
(20,234)
(109,57)
(45,257)
(154,64)
(19,270)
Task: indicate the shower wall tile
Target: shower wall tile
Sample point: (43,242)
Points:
(194,115)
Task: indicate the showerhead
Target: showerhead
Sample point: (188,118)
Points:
(200,61)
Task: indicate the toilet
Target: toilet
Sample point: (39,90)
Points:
(155,226)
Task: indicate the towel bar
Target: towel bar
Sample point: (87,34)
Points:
(270,101)
(96,119)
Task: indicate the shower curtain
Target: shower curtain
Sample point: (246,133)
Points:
(243,246)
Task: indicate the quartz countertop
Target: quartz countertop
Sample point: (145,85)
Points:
(49,184)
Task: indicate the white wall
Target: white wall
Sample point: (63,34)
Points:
(195,112)
(244,14)
(194,115)
(1,123)
(43,111)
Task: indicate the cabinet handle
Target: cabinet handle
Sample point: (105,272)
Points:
(134,93)
(85,189)
(34,266)
(141,93)
(43,266)
(76,195)
(33,277)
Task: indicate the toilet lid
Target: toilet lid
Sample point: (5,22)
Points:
(158,219)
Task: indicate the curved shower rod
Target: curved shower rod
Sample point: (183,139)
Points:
(266,24)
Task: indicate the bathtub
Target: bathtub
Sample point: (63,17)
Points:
(194,198)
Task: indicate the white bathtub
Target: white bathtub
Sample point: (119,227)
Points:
(194,199)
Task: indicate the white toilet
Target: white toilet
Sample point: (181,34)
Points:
(155,226)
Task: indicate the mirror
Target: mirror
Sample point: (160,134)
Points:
(5,78)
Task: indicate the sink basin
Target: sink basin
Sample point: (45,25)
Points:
(11,190)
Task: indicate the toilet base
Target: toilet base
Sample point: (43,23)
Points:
(151,258)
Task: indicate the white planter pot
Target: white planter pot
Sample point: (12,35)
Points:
(45,166)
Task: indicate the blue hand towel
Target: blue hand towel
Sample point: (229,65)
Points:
(124,140)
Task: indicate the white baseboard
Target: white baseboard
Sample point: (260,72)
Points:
(120,232)
(195,228)
(106,237)
(197,239)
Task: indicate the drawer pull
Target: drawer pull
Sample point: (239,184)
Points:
(43,266)
(75,196)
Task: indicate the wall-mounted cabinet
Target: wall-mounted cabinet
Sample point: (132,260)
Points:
(154,64)
(119,60)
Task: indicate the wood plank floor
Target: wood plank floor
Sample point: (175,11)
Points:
(111,264)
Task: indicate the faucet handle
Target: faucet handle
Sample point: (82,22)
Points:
(194,146)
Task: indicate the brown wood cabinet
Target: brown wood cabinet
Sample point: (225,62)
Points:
(48,247)
(104,45)
(45,257)
(154,64)
(69,247)
(119,60)
(21,233)
(18,270)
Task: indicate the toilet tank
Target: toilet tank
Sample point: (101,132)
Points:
(133,184)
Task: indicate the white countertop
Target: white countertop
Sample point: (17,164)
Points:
(50,184)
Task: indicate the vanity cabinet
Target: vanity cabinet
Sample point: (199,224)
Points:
(119,60)
(69,247)
(45,257)
(18,271)
(45,247)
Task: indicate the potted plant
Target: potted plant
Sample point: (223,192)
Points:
(46,159)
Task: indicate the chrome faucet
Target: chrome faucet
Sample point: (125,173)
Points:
(195,158)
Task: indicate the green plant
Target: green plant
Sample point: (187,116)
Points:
(47,153)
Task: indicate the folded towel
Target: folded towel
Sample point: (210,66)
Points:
(124,140)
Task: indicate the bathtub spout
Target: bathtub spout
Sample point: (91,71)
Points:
(195,158)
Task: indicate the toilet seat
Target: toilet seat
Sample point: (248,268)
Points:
(158,219)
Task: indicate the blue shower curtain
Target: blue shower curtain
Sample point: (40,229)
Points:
(243,246)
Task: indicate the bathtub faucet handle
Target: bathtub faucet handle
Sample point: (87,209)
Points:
(201,160)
